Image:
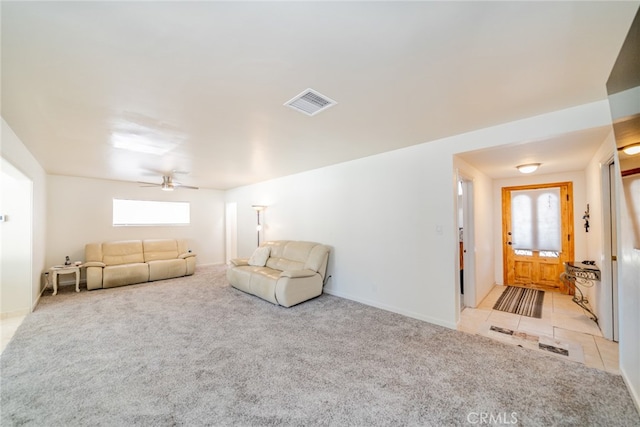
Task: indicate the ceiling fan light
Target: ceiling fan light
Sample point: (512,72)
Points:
(528,168)
(632,150)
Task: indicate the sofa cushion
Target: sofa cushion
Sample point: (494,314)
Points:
(284,264)
(124,252)
(167,269)
(294,255)
(129,274)
(157,249)
(260,281)
(260,256)
(298,251)
(263,283)
(93,252)
(291,250)
(94,264)
(317,260)
(240,277)
(298,273)
(183,246)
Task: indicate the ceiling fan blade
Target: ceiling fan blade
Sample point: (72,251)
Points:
(185,186)
(167,183)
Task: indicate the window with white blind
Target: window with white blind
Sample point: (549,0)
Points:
(146,212)
(535,220)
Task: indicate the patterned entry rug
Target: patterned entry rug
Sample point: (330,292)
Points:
(524,301)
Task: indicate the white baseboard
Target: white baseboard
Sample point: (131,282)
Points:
(16,313)
(391,309)
(37,301)
(635,394)
(211,264)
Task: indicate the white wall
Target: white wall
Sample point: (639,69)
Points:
(391,218)
(600,295)
(629,296)
(15,152)
(579,206)
(80,212)
(380,215)
(15,235)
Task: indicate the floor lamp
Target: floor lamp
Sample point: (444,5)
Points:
(258,208)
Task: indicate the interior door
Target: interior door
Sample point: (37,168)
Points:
(537,235)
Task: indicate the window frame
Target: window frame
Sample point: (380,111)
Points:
(158,204)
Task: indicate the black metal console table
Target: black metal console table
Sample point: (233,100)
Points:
(585,275)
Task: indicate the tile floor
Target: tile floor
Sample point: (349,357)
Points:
(564,325)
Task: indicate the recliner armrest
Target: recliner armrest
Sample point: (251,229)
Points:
(186,255)
(94,264)
(238,262)
(298,273)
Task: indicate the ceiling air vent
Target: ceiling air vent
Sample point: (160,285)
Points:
(310,102)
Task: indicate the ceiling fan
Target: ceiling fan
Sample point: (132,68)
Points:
(168,184)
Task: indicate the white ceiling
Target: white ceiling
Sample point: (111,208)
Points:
(562,153)
(205,82)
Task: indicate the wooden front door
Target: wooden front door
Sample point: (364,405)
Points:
(535,262)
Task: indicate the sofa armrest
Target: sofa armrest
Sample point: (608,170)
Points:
(186,255)
(238,262)
(94,264)
(298,273)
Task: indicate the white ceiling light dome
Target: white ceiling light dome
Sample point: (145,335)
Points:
(528,168)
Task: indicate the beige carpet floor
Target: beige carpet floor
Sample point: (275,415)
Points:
(194,351)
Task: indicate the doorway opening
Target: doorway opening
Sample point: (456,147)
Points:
(466,244)
(231,231)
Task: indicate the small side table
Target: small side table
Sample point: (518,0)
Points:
(54,272)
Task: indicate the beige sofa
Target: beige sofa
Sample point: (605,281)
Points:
(128,262)
(282,272)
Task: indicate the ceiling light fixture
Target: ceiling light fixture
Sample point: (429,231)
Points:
(167,183)
(142,143)
(528,168)
(631,149)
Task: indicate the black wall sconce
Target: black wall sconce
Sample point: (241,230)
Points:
(586,219)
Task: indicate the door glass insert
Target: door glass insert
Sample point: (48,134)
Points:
(550,254)
(523,252)
(535,219)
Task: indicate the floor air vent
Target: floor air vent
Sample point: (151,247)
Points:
(310,102)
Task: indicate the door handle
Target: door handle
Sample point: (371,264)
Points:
(509,243)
